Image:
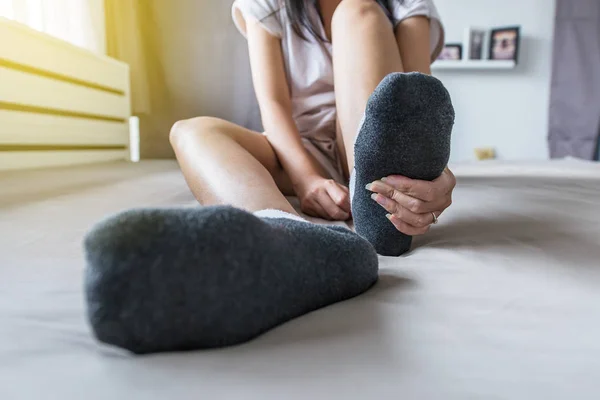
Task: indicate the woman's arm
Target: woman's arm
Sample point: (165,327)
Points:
(319,196)
(272,92)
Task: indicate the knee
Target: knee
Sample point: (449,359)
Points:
(196,127)
(353,13)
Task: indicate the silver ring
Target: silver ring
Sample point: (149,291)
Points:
(435,219)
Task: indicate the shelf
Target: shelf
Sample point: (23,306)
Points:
(473,65)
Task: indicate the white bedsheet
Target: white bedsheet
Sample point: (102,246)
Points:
(500,301)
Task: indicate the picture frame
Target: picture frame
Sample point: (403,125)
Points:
(505,43)
(476,43)
(451,52)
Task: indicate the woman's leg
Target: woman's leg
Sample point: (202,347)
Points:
(408,120)
(365,50)
(205,277)
(226,164)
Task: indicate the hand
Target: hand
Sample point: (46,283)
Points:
(324,198)
(411,202)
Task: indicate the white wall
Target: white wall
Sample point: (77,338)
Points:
(507,110)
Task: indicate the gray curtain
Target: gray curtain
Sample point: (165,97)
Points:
(187,59)
(575,94)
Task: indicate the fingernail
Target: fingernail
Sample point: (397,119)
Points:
(369,186)
(384,179)
(374,196)
(388,216)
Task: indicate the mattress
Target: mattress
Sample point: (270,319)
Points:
(501,300)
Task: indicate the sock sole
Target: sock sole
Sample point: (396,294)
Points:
(406,131)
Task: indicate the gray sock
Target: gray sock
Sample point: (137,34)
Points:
(406,131)
(183,279)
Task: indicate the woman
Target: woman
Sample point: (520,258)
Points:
(299,51)
(180,279)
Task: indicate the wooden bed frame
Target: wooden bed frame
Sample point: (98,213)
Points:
(59,104)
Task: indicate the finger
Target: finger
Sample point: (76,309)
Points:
(318,211)
(422,190)
(312,209)
(388,204)
(413,204)
(408,217)
(339,196)
(435,217)
(415,220)
(335,212)
(447,181)
(348,203)
(405,228)
(446,204)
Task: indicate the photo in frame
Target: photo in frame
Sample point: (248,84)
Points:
(505,43)
(451,52)
(476,43)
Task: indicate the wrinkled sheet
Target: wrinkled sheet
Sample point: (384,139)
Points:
(501,300)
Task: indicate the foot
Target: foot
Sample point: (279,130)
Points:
(406,131)
(184,279)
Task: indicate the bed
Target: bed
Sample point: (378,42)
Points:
(501,300)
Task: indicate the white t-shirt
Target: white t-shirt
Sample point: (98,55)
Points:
(308,64)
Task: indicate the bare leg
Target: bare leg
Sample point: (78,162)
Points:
(412,36)
(365,50)
(404,133)
(226,164)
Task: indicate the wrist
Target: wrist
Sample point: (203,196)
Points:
(305,173)
(303,181)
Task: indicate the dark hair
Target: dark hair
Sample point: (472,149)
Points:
(298,14)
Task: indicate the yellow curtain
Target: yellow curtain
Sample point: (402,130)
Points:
(132,37)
